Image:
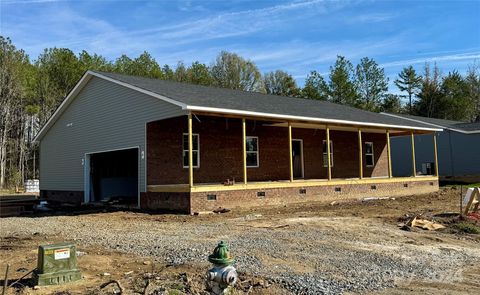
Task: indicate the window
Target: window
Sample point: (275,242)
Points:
(195,150)
(369,160)
(325,157)
(252,151)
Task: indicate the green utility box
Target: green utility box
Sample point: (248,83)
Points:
(57,264)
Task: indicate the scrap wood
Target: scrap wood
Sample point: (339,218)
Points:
(414,221)
(471,199)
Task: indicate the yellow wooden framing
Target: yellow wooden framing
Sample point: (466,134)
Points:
(435,152)
(414,166)
(244,141)
(190,151)
(329,164)
(285,184)
(360,154)
(290,150)
(389,155)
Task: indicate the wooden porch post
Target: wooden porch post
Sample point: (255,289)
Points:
(290,150)
(435,152)
(389,154)
(190,151)
(414,168)
(329,164)
(244,141)
(360,154)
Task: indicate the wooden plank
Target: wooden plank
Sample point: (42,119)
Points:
(360,154)
(329,164)
(290,150)
(244,140)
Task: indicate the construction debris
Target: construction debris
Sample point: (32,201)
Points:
(420,223)
(471,200)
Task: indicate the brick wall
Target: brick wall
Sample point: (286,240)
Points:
(326,193)
(221,152)
(71,197)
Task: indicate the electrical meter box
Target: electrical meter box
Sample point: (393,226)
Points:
(57,264)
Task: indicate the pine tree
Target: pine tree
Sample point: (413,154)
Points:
(409,81)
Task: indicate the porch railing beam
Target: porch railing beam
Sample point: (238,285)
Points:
(329,162)
(244,141)
(290,150)
(360,154)
(414,168)
(389,155)
(190,151)
(435,150)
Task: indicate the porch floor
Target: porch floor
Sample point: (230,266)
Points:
(207,187)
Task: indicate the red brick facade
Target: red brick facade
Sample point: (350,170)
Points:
(221,152)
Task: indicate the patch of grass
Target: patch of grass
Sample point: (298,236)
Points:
(468,228)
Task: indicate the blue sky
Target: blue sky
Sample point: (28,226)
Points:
(295,36)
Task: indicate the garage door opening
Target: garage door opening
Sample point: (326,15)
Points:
(114,177)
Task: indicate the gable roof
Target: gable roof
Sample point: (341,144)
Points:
(458,126)
(199,98)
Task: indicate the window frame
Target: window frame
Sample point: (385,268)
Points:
(325,164)
(193,150)
(251,152)
(369,154)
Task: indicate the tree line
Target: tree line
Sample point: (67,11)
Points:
(31,90)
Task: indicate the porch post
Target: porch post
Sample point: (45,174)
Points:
(244,141)
(414,168)
(190,151)
(290,150)
(360,154)
(328,155)
(389,154)
(435,152)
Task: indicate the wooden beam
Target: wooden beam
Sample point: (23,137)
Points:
(329,162)
(435,152)
(290,150)
(389,154)
(190,151)
(244,141)
(414,168)
(360,154)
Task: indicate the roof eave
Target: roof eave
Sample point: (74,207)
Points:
(302,118)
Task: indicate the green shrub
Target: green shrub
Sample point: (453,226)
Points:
(468,228)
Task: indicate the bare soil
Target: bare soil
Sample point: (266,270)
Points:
(348,245)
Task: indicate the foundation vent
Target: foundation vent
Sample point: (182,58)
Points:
(338,189)
(373,187)
(405,185)
(431,183)
(211,197)
(302,191)
(261,194)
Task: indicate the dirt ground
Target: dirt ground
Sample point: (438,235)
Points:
(337,229)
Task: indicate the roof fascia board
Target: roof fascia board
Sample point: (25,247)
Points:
(79,86)
(423,122)
(301,118)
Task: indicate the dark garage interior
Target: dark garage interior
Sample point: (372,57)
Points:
(114,177)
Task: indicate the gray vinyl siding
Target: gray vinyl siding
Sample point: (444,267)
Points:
(458,154)
(104,116)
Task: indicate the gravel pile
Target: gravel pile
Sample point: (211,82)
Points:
(304,259)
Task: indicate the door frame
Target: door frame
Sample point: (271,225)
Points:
(86,172)
(301,156)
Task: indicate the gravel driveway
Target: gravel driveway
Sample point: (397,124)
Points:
(304,254)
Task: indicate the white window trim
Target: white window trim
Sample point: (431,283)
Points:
(368,154)
(325,153)
(198,150)
(257,152)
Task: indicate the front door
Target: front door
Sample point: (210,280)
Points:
(297,158)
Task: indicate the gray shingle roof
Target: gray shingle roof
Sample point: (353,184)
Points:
(237,100)
(448,124)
